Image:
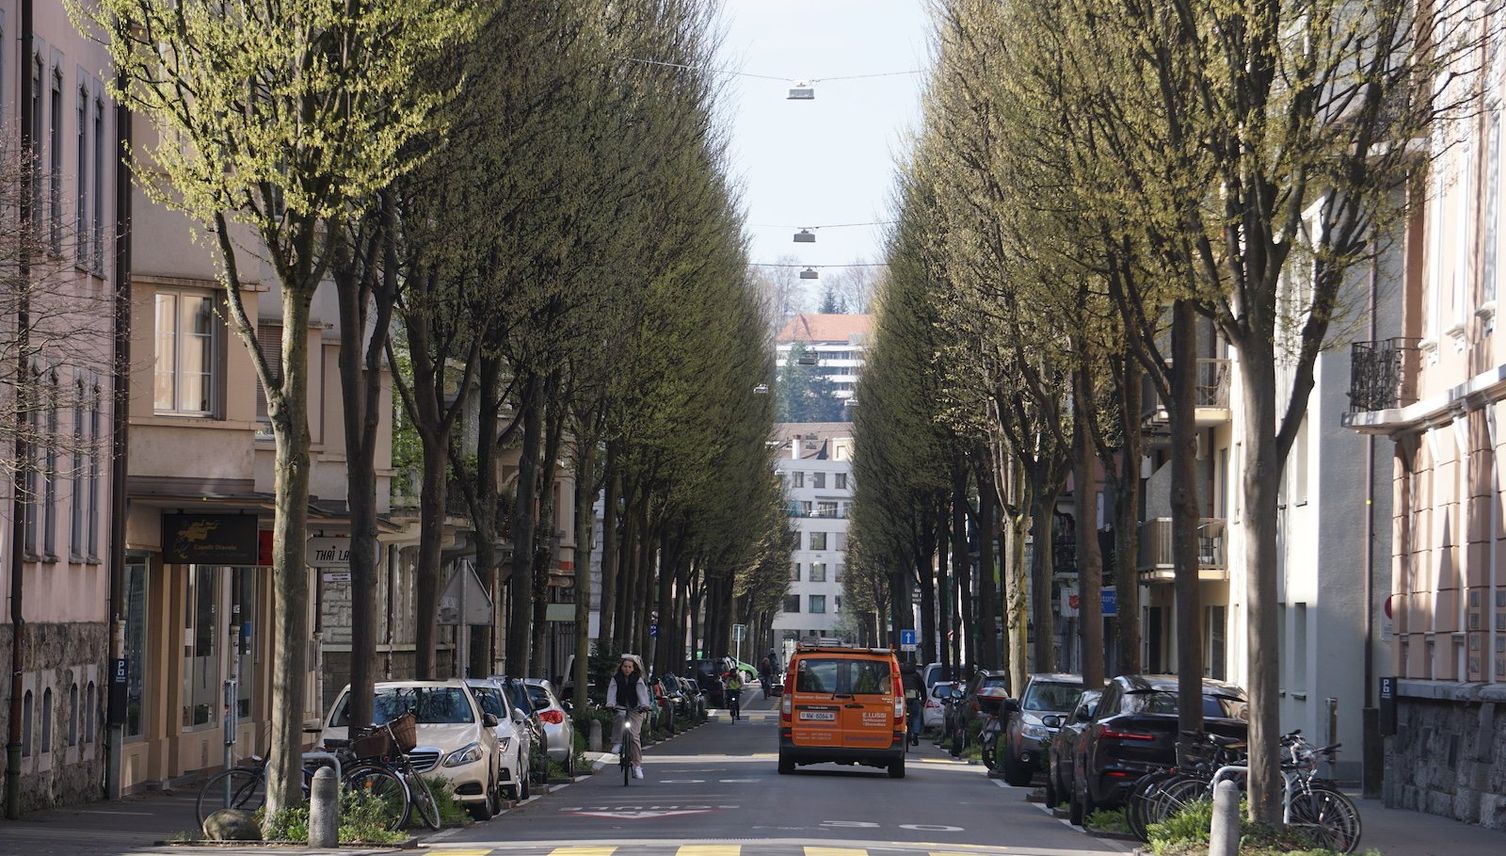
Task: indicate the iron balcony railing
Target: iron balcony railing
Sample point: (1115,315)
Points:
(1155,544)
(1382,374)
(1211,390)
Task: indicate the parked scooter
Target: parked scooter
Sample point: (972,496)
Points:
(988,740)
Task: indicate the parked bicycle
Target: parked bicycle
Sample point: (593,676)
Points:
(382,772)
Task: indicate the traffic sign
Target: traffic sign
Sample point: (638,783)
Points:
(1110,602)
(653,631)
(907,637)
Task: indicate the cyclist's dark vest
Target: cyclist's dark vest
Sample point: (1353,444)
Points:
(627,689)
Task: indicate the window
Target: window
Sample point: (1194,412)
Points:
(81,173)
(1215,655)
(26,709)
(1489,268)
(98,174)
(797,479)
(269,339)
(135,647)
(839,541)
(185,353)
(818,540)
(95,453)
(243,616)
(826,509)
(73,715)
(836,603)
(36,143)
(839,481)
(1464,234)
(795,572)
(1299,648)
(818,572)
(46,746)
(818,480)
(31,481)
(55,164)
(80,490)
(818,604)
(1299,488)
(50,472)
(791,603)
(836,573)
(201,666)
(91,698)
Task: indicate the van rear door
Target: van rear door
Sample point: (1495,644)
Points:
(867,703)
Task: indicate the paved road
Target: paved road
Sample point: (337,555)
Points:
(715,791)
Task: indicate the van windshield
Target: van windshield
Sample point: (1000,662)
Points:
(840,676)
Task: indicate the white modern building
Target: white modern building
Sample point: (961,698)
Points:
(815,465)
(836,342)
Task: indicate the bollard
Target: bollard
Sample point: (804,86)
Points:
(324,809)
(1223,837)
(593,739)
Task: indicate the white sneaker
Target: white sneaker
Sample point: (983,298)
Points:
(616,748)
(637,771)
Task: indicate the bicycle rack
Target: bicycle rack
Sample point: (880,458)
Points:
(1229,770)
(325,756)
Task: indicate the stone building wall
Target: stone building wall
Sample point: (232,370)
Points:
(62,658)
(1448,756)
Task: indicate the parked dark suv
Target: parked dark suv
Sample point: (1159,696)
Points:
(1042,709)
(708,676)
(1134,731)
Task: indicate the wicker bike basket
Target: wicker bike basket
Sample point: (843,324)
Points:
(371,743)
(405,732)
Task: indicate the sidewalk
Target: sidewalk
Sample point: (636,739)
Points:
(1396,832)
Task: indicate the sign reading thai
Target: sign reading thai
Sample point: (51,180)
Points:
(209,539)
(329,552)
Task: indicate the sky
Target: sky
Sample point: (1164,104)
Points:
(831,160)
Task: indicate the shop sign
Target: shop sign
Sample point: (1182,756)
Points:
(209,539)
(333,553)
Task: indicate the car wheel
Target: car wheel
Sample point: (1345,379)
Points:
(1015,773)
(570,763)
(897,768)
(493,799)
(786,764)
(523,778)
(1051,794)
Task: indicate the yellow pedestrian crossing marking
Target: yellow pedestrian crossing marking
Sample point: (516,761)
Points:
(577,851)
(466,852)
(835,851)
(709,850)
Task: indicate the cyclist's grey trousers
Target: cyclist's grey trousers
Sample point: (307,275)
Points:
(632,742)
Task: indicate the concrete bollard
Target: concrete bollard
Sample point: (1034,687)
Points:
(324,809)
(593,738)
(1223,837)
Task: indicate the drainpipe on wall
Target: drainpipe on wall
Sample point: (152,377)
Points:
(119,449)
(1371,751)
(18,486)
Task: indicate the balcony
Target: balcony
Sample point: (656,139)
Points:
(1212,395)
(1382,375)
(1155,561)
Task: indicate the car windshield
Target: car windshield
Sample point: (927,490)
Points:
(843,676)
(490,700)
(1043,695)
(1161,701)
(431,705)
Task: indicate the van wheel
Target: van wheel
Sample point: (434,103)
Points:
(897,768)
(786,764)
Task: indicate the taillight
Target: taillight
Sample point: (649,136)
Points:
(785,706)
(1125,735)
(553,717)
(899,707)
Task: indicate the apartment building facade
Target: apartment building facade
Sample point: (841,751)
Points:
(57,139)
(836,343)
(815,465)
(1432,384)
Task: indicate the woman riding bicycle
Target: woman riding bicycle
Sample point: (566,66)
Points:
(628,692)
(735,694)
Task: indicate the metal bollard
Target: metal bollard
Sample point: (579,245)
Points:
(593,738)
(324,809)
(1223,837)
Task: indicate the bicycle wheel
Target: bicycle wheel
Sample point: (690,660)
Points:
(1134,806)
(423,800)
(247,792)
(1173,796)
(380,791)
(1331,817)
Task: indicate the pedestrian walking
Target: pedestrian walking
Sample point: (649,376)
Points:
(914,687)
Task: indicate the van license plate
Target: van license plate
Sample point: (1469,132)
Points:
(818,715)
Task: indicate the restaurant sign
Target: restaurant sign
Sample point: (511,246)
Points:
(209,539)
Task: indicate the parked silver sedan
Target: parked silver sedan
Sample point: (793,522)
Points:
(559,728)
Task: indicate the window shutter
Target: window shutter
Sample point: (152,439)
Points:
(269,338)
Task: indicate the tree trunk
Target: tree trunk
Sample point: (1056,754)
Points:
(986,523)
(290,579)
(1042,528)
(1089,558)
(585,498)
(1126,523)
(925,549)
(944,586)
(431,515)
(663,607)
(966,646)
(1262,463)
(609,518)
(627,579)
(544,539)
(484,511)
(1016,609)
(520,585)
(1185,513)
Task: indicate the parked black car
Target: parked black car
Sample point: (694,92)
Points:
(1064,744)
(1134,731)
(1041,710)
(708,676)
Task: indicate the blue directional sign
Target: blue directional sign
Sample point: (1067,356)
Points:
(907,637)
(653,630)
(1110,602)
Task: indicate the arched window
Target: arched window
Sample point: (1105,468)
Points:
(90,700)
(26,705)
(73,714)
(46,721)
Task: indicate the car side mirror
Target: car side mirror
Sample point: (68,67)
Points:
(1083,716)
(1010,705)
(489,720)
(518,715)
(1052,721)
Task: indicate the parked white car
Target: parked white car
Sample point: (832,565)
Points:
(455,736)
(513,742)
(559,728)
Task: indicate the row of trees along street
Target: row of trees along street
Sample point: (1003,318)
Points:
(512,205)
(1089,186)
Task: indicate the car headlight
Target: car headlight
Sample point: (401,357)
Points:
(1036,732)
(470,753)
(503,743)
